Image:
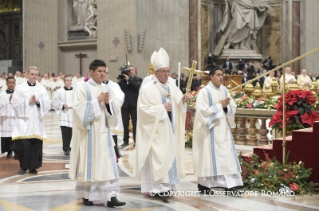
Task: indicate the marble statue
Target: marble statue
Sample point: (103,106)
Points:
(80,7)
(91,18)
(241,21)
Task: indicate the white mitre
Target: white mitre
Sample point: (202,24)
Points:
(160,59)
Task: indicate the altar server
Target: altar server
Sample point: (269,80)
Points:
(30,102)
(63,105)
(114,89)
(7,117)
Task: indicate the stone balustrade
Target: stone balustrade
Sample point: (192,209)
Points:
(248,117)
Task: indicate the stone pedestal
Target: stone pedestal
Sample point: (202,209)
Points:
(77,33)
(240,54)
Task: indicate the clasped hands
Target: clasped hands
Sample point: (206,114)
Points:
(103,97)
(225,102)
(33,99)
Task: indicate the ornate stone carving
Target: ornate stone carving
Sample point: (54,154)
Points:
(91,18)
(241,21)
(80,7)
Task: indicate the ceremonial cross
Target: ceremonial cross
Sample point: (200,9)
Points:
(191,72)
(80,55)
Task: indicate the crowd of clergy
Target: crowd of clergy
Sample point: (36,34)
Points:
(89,112)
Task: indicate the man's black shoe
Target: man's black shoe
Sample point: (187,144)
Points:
(165,196)
(33,171)
(67,153)
(124,144)
(204,189)
(22,171)
(115,203)
(9,155)
(86,202)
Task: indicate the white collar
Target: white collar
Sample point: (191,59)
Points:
(213,86)
(93,83)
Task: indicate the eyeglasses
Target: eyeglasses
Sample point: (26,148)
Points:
(167,72)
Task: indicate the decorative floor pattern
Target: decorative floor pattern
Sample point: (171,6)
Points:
(52,189)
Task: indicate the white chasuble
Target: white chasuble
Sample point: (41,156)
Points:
(65,114)
(214,152)
(30,116)
(160,143)
(7,115)
(267,82)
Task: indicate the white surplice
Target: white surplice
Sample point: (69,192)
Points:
(30,117)
(93,160)
(118,129)
(60,98)
(7,115)
(214,155)
(160,144)
(267,82)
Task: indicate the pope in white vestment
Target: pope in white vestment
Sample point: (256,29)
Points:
(7,118)
(160,144)
(31,103)
(214,155)
(93,161)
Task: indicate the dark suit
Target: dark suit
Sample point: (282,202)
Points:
(230,66)
(130,89)
(196,83)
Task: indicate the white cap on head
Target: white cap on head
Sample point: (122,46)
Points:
(160,59)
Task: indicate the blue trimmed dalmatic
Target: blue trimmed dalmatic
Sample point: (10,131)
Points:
(212,141)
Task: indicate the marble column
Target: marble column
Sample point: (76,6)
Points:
(193,29)
(263,131)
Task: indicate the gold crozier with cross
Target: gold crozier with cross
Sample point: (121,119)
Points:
(191,72)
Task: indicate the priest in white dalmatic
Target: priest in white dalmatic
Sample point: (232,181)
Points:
(63,104)
(214,155)
(93,161)
(304,81)
(31,103)
(160,146)
(7,117)
(117,91)
(289,78)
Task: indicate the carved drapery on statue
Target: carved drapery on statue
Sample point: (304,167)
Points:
(241,21)
(85,19)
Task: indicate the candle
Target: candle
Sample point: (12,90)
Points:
(128,63)
(179,75)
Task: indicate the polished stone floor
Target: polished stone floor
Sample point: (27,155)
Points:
(51,189)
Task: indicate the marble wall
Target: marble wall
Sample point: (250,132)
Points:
(164,22)
(40,25)
(309,34)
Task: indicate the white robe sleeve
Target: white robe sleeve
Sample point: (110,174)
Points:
(57,102)
(20,105)
(208,114)
(84,111)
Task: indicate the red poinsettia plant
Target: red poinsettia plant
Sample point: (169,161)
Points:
(300,111)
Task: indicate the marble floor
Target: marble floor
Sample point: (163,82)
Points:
(51,189)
